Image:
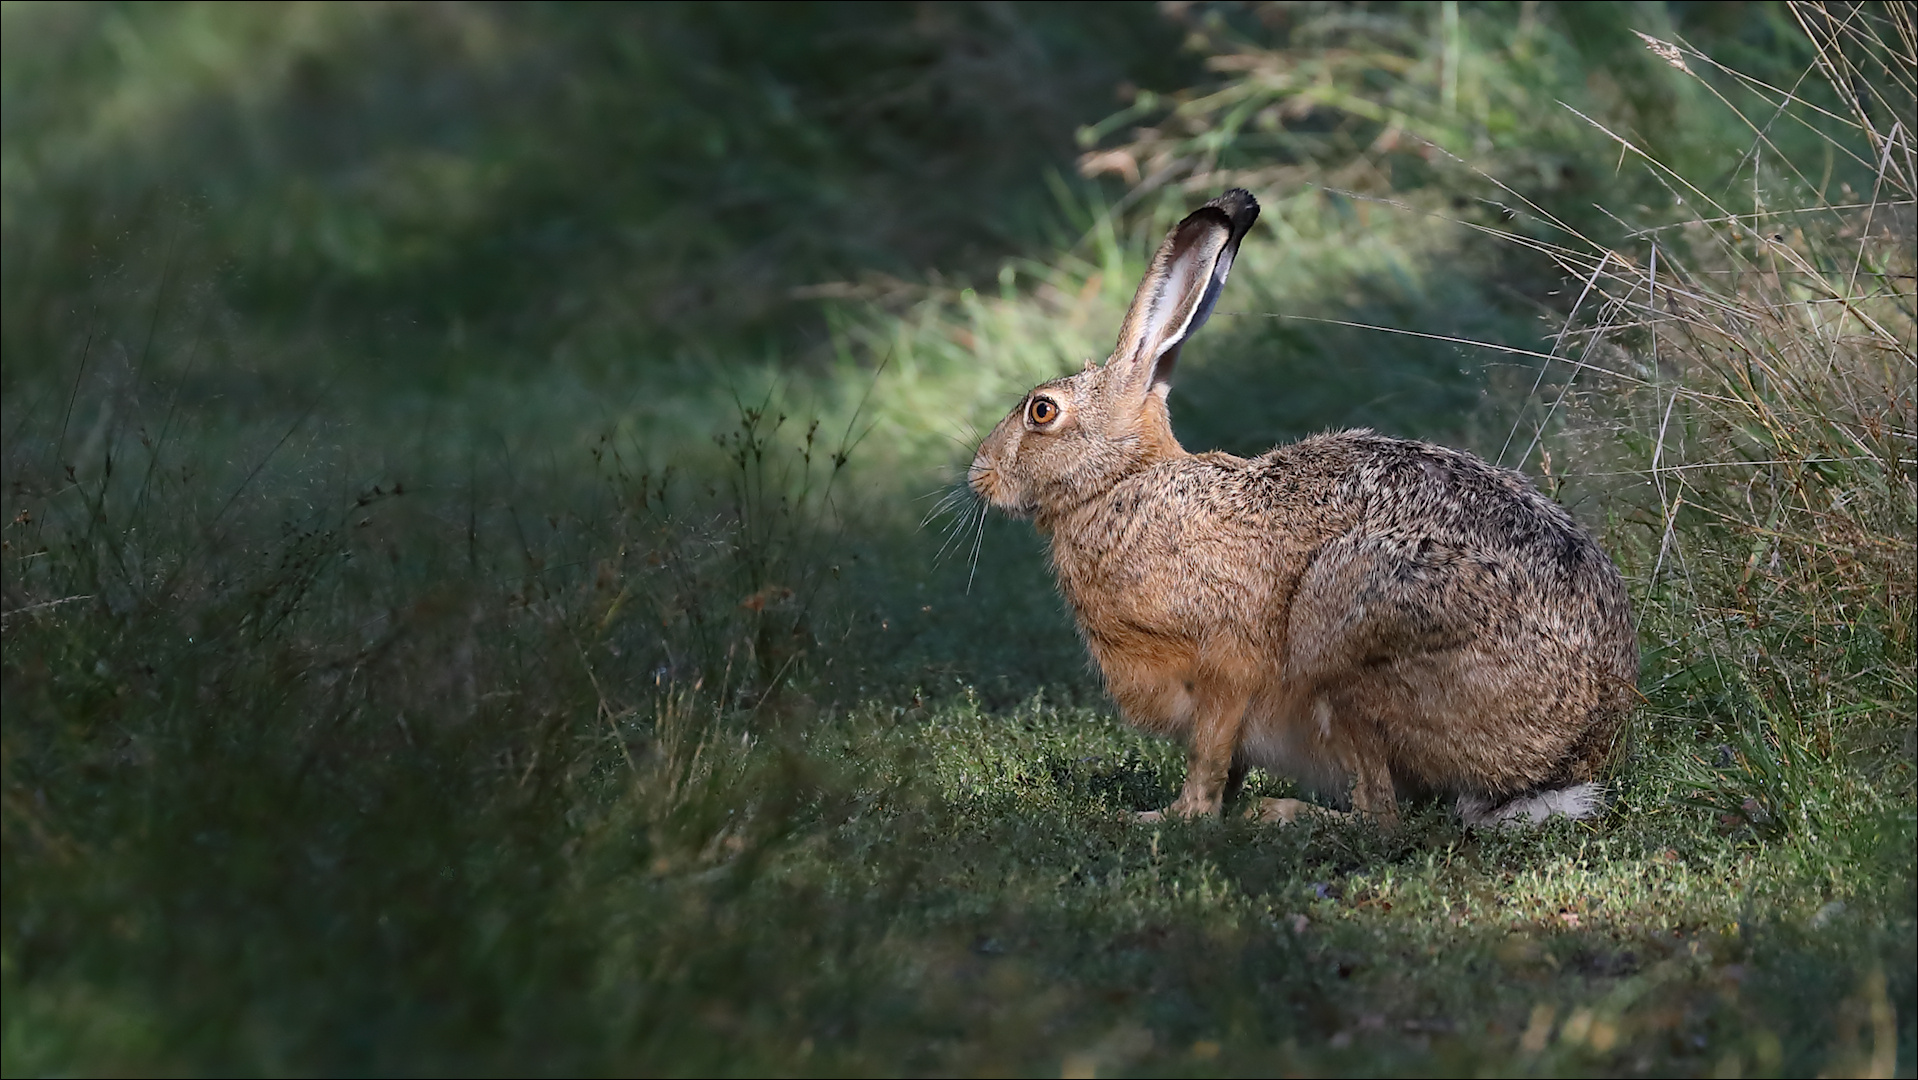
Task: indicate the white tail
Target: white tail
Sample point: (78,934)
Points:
(1578,802)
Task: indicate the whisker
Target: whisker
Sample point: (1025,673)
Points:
(969,431)
(955,533)
(947,506)
(950,500)
(969,440)
(978,541)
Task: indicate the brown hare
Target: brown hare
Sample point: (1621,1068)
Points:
(1375,617)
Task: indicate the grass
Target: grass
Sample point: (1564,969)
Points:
(567,724)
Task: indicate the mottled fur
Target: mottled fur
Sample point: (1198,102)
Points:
(1374,616)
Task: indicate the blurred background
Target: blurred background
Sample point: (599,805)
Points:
(473,202)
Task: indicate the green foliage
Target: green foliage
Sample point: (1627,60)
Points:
(1747,419)
(465,717)
(1492,101)
(503,185)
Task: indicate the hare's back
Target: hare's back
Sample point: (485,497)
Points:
(1440,549)
(1468,615)
(1432,499)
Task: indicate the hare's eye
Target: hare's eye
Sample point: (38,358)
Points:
(1043,410)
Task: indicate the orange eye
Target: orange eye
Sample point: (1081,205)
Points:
(1043,410)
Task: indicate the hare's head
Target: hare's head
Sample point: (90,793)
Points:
(1074,437)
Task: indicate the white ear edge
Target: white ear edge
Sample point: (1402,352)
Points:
(1180,290)
(1212,290)
(1160,382)
(1174,312)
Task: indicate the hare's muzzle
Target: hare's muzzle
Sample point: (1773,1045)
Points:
(983,479)
(986,478)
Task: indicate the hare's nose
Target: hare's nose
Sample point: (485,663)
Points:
(982,478)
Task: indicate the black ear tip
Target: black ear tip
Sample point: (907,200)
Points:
(1240,206)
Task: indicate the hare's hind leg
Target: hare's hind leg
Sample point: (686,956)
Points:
(1438,672)
(1344,755)
(1372,793)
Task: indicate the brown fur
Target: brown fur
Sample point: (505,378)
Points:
(1374,616)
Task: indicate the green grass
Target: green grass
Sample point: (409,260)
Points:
(934,888)
(609,714)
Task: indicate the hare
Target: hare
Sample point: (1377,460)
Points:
(1375,617)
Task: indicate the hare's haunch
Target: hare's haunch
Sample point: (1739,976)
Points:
(1372,616)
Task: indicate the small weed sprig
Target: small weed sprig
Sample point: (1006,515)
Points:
(735,572)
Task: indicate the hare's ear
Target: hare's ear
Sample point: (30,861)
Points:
(1179,290)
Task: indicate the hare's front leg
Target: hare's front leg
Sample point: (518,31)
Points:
(1218,721)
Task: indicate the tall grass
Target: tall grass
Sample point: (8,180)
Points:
(360,761)
(1751,370)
